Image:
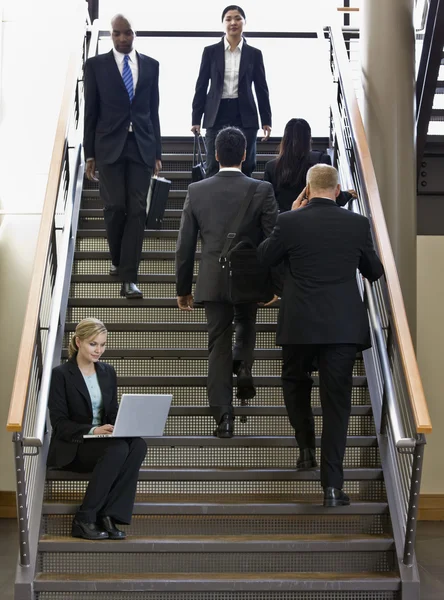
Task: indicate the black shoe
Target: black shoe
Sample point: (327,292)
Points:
(113,270)
(130,291)
(225,428)
(87,531)
(110,527)
(306,460)
(334,497)
(245,385)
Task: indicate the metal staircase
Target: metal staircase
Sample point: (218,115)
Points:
(214,519)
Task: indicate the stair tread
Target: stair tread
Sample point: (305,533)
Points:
(221,543)
(163,582)
(226,474)
(201,381)
(217,576)
(249,441)
(254,505)
(146,255)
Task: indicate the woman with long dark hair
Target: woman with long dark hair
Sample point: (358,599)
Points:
(287,173)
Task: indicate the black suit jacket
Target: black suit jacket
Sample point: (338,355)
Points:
(210,207)
(323,245)
(251,70)
(285,196)
(70,408)
(108,111)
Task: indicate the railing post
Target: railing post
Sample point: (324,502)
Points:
(412,514)
(22,507)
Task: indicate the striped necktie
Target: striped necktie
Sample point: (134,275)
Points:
(127,77)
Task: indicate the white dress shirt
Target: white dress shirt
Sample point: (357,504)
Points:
(232,64)
(230,169)
(134,66)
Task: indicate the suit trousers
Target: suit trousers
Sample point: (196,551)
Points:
(222,358)
(123,189)
(335,364)
(229,115)
(115,464)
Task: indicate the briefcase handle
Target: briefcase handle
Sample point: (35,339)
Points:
(197,149)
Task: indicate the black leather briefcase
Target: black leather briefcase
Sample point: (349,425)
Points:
(156,202)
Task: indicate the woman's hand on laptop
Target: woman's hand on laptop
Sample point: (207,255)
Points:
(103,429)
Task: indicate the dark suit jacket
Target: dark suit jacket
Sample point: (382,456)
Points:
(210,208)
(70,408)
(285,196)
(251,70)
(108,111)
(323,245)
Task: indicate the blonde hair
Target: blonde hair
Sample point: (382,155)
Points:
(85,330)
(322,177)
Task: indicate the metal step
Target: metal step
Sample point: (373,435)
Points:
(191,367)
(178,381)
(204,506)
(103,255)
(231,473)
(265,396)
(371,490)
(133,312)
(145,327)
(260,584)
(258,354)
(150,233)
(220,543)
(58,517)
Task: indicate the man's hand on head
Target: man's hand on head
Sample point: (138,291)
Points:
(91,169)
(185,302)
(301,200)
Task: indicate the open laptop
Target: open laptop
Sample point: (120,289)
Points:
(140,415)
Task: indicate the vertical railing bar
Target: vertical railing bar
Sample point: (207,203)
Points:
(22,509)
(413,504)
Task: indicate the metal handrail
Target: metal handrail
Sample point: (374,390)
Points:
(364,165)
(17,408)
(401,440)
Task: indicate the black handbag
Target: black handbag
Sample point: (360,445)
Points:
(247,280)
(198,171)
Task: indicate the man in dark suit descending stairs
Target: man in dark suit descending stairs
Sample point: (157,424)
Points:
(122,136)
(322,317)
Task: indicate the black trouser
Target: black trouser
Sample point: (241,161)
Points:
(228,114)
(124,188)
(335,365)
(115,465)
(220,354)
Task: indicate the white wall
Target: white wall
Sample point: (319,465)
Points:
(32,66)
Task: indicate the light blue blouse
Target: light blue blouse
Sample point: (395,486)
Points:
(95,393)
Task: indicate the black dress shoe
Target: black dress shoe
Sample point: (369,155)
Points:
(334,497)
(130,291)
(110,527)
(113,270)
(306,460)
(225,428)
(87,531)
(245,385)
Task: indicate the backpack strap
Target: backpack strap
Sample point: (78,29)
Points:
(236,223)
